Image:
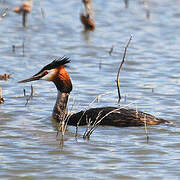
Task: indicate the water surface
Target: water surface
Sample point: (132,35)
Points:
(149,80)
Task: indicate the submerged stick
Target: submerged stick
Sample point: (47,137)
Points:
(118,74)
(42,10)
(24,18)
(111,50)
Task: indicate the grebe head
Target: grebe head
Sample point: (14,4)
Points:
(55,72)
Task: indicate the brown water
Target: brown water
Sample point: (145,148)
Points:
(149,80)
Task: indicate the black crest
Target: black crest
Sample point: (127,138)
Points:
(56,63)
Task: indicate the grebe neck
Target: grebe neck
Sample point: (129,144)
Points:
(60,109)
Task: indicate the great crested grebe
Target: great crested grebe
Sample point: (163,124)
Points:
(24,9)
(112,116)
(87,20)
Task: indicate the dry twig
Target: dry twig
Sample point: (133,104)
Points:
(90,128)
(97,98)
(62,127)
(97,122)
(118,74)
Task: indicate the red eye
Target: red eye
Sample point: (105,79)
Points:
(45,73)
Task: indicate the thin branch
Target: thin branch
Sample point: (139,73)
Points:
(145,128)
(88,121)
(118,74)
(90,128)
(62,127)
(32,91)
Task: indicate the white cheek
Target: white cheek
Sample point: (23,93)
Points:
(49,76)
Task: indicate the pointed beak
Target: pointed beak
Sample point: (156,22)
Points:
(33,78)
